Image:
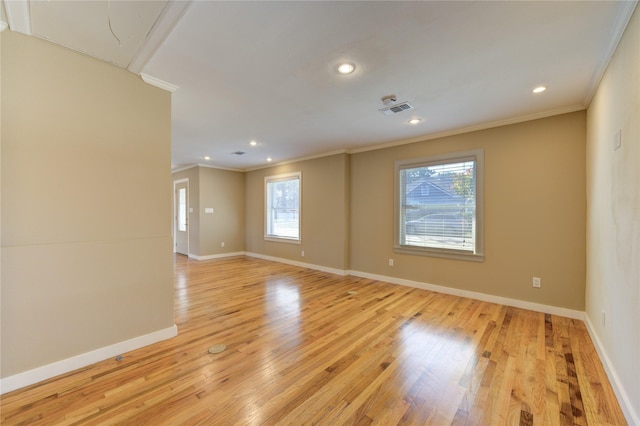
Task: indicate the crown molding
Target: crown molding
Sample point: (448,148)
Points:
(164,25)
(18,16)
(297,160)
(158,83)
(617,30)
(469,129)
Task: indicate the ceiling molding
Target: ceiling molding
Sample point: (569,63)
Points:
(18,16)
(183,168)
(297,160)
(158,83)
(624,15)
(423,138)
(474,128)
(169,18)
(209,166)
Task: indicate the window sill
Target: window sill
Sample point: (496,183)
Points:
(282,239)
(441,253)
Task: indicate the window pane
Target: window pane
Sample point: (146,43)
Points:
(283,207)
(438,206)
(182,209)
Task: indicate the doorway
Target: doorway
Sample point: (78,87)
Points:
(181,216)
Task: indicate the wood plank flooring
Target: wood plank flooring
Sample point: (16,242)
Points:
(307,347)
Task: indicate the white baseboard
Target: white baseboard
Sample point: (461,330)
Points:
(632,417)
(335,271)
(547,309)
(216,256)
(45,372)
(537,307)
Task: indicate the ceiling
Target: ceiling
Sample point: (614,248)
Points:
(266,70)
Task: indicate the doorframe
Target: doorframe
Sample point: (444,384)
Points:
(175,214)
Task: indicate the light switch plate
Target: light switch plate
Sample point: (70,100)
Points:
(617,140)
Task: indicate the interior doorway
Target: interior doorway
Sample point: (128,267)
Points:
(181,216)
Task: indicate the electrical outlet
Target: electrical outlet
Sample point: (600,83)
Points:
(603,318)
(302,253)
(390,262)
(537,282)
(222,244)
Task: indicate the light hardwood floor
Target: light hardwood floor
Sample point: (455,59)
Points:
(302,348)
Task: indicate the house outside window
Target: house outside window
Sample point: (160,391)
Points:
(439,206)
(282,207)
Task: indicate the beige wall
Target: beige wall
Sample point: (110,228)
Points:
(325,193)
(613,215)
(534,213)
(86,197)
(86,205)
(193,175)
(222,190)
(534,209)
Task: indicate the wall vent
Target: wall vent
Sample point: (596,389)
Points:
(394,109)
(239,153)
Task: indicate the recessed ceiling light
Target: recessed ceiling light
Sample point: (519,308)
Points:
(415,121)
(207,158)
(539,89)
(253,143)
(346,68)
(269,159)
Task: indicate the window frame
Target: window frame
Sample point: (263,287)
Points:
(477,254)
(282,178)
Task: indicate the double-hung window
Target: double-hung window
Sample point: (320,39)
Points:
(282,207)
(439,206)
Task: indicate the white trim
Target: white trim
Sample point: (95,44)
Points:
(183,168)
(18,16)
(297,160)
(477,157)
(158,83)
(422,138)
(209,166)
(215,256)
(516,303)
(284,177)
(174,219)
(300,264)
(469,129)
(522,304)
(164,25)
(547,309)
(632,417)
(623,17)
(39,374)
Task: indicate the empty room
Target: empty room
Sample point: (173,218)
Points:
(319,212)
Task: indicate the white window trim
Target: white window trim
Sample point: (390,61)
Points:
(478,254)
(276,178)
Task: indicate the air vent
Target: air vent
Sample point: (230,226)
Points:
(239,153)
(394,109)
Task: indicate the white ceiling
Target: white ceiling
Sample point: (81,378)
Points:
(265,70)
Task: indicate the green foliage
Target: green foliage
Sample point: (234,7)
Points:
(463,184)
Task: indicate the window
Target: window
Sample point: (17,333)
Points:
(182,209)
(282,218)
(439,206)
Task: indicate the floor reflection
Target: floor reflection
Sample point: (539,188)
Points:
(282,307)
(432,358)
(180,293)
